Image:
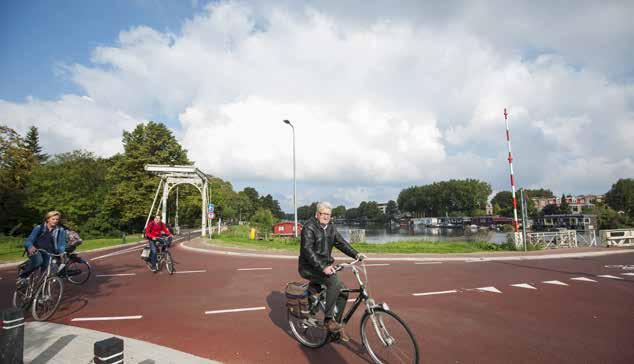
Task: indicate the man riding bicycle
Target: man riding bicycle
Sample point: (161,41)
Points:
(50,236)
(154,231)
(316,263)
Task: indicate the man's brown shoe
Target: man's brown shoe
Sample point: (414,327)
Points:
(333,326)
(343,337)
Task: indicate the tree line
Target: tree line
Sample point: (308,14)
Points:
(366,211)
(106,196)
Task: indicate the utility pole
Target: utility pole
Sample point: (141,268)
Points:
(294,179)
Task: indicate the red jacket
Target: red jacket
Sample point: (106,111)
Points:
(154,230)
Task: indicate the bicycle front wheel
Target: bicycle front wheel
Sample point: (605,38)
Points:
(387,338)
(78,271)
(47,299)
(169,263)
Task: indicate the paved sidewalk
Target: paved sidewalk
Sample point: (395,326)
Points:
(46,342)
(203,245)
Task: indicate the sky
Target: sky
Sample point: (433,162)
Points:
(383,95)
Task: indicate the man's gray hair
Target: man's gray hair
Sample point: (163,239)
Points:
(323,205)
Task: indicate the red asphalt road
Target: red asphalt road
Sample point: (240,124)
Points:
(584,322)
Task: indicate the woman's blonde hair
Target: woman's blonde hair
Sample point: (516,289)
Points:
(51,214)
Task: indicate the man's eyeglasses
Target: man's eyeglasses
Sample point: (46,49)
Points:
(325,213)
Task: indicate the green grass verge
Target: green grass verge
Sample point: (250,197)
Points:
(237,237)
(11,248)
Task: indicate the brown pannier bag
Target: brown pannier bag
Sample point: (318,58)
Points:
(297,299)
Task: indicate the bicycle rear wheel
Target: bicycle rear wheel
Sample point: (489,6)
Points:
(310,331)
(78,271)
(387,338)
(47,299)
(169,262)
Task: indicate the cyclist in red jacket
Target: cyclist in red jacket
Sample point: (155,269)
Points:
(153,231)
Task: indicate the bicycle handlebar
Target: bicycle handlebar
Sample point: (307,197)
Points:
(49,253)
(339,267)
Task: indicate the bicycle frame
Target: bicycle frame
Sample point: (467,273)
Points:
(363,295)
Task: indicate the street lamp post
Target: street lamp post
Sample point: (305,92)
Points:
(294,180)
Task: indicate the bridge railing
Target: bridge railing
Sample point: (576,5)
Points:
(618,237)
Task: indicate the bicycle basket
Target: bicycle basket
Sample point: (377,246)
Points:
(297,299)
(145,253)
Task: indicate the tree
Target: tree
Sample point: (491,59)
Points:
(551,210)
(16,164)
(621,196)
(307,211)
(391,211)
(504,202)
(75,184)
(456,197)
(339,211)
(130,198)
(564,207)
(267,202)
(538,193)
(32,142)
(263,220)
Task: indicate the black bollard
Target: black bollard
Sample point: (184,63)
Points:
(109,351)
(12,336)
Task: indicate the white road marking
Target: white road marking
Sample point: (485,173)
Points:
(609,276)
(376,265)
(476,260)
(433,293)
(489,289)
(235,310)
(124,251)
(351,300)
(584,279)
(428,263)
(628,274)
(116,275)
(557,283)
(254,268)
(523,285)
(191,271)
(107,318)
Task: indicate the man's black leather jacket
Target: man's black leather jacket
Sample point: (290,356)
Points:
(316,250)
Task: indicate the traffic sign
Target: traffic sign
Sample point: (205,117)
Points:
(211,215)
(210,207)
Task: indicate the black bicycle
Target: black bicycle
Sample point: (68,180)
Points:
(42,291)
(74,268)
(385,336)
(163,255)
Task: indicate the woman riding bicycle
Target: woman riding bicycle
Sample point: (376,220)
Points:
(316,263)
(49,236)
(153,231)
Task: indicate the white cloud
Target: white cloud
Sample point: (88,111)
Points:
(380,97)
(72,122)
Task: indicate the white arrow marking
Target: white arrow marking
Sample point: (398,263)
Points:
(583,279)
(628,274)
(523,285)
(489,289)
(609,276)
(558,283)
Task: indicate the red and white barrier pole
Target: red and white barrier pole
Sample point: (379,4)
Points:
(508,142)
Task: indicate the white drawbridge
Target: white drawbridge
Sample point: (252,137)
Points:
(172,176)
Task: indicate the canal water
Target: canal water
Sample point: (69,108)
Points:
(380,234)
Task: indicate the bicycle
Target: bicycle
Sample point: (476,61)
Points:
(74,268)
(43,290)
(163,256)
(381,329)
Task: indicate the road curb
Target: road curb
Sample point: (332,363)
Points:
(15,264)
(444,258)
